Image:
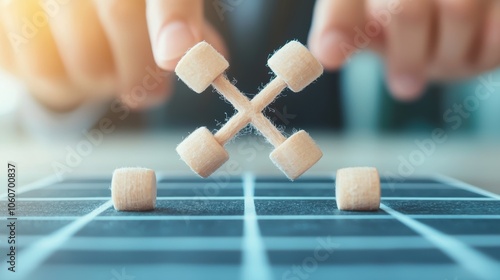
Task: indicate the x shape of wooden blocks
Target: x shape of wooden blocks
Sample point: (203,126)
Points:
(294,67)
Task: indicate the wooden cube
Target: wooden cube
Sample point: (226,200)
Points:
(201,151)
(200,66)
(295,65)
(133,189)
(296,155)
(358,189)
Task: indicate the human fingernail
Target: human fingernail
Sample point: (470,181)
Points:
(173,41)
(331,49)
(406,86)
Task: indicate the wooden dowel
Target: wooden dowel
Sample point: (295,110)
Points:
(294,66)
(231,93)
(267,129)
(249,111)
(268,94)
(232,127)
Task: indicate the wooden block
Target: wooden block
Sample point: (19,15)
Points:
(202,152)
(358,189)
(200,66)
(133,189)
(296,155)
(295,65)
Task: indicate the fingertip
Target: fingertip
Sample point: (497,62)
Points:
(173,40)
(330,48)
(332,37)
(149,101)
(154,90)
(406,87)
(213,37)
(154,100)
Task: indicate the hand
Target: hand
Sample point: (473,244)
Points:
(420,40)
(70,51)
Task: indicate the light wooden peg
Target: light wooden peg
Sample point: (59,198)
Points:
(357,189)
(133,189)
(295,67)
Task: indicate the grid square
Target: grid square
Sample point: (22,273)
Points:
(334,227)
(54,208)
(358,257)
(188,208)
(444,207)
(406,185)
(162,228)
(192,179)
(465,226)
(39,227)
(301,180)
(200,189)
(304,207)
(295,192)
(414,180)
(144,257)
(136,272)
(384,271)
(493,252)
(428,192)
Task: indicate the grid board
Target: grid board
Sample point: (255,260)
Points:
(255,228)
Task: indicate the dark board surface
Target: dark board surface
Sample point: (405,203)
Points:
(255,228)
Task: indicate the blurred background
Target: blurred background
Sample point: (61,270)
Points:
(454,129)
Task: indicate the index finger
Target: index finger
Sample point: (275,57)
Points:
(174,27)
(334,36)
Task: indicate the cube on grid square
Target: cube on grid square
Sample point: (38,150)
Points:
(357,189)
(133,189)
